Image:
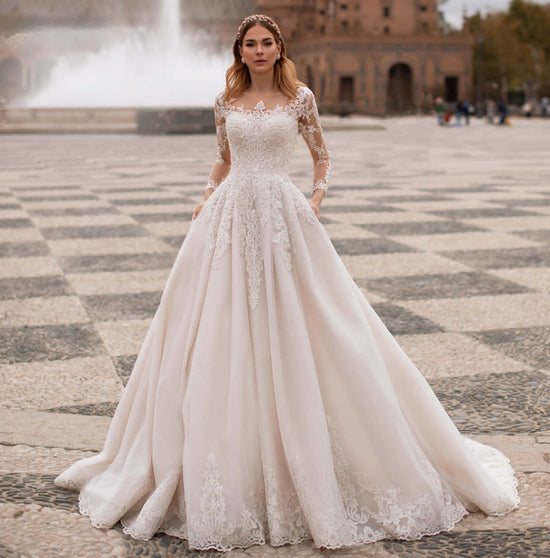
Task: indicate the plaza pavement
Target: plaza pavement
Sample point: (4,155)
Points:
(447,231)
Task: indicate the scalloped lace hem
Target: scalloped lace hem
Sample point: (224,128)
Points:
(290,541)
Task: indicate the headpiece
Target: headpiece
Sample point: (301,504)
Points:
(257,18)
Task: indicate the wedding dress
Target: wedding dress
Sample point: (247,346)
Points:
(269,403)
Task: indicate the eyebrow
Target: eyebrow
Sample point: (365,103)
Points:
(264,39)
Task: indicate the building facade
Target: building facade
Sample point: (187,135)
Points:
(374,56)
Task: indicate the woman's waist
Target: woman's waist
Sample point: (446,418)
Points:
(258,175)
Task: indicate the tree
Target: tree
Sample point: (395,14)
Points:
(512,49)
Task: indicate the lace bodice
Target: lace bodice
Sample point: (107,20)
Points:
(261,140)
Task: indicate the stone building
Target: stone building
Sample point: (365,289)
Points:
(368,56)
(374,56)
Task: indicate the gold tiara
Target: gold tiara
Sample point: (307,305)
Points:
(257,18)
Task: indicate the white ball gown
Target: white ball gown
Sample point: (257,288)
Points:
(269,403)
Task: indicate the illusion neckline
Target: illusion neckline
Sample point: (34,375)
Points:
(260,108)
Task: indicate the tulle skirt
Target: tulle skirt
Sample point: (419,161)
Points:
(269,403)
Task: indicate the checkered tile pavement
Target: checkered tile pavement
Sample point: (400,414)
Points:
(447,231)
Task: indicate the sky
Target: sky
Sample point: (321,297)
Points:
(454,9)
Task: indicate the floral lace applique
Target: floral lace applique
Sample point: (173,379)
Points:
(258,189)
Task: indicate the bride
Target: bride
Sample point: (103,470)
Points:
(269,403)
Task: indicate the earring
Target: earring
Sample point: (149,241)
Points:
(242,60)
(278,57)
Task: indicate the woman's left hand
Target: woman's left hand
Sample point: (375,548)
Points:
(316,208)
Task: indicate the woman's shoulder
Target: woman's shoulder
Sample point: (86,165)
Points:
(220,98)
(304,93)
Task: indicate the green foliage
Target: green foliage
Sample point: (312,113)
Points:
(512,49)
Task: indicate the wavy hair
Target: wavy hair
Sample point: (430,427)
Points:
(237,77)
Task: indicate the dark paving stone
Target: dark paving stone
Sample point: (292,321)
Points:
(26,188)
(58,197)
(422,227)
(502,258)
(533,542)
(542,202)
(358,246)
(105,409)
(479,213)
(104,231)
(124,366)
(73,211)
(510,403)
(122,306)
(372,208)
(190,194)
(149,201)
(538,236)
(183,184)
(465,284)
(30,488)
(460,189)
(162,217)
(6,552)
(163,546)
(411,198)
(16,223)
(357,188)
(174,241)
(401,321)
(7,206)
(116,190)
(118,262)
(28,343)
(326,221)
(23,249)
(27,287)
(530,345)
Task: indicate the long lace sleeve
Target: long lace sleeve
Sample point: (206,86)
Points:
(223,157)
(309,125)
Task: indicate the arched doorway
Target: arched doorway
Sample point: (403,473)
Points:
(11,78)
(399,96)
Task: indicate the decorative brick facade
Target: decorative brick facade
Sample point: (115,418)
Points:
(374,56)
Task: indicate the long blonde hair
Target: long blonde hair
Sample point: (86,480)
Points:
(237,77)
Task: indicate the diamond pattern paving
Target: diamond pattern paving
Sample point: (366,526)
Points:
(454,256)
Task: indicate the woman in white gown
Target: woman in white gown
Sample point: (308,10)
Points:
(269,403)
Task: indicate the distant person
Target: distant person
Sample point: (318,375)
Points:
(440,110)
(466,108)
(502,111)
(491,108)
(346,108)
(527,109)
(458,113)
(544,106)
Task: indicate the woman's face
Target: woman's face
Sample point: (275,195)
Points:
(259,49)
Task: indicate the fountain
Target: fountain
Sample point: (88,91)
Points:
(149,73)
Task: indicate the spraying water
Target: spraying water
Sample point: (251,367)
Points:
(157,67)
